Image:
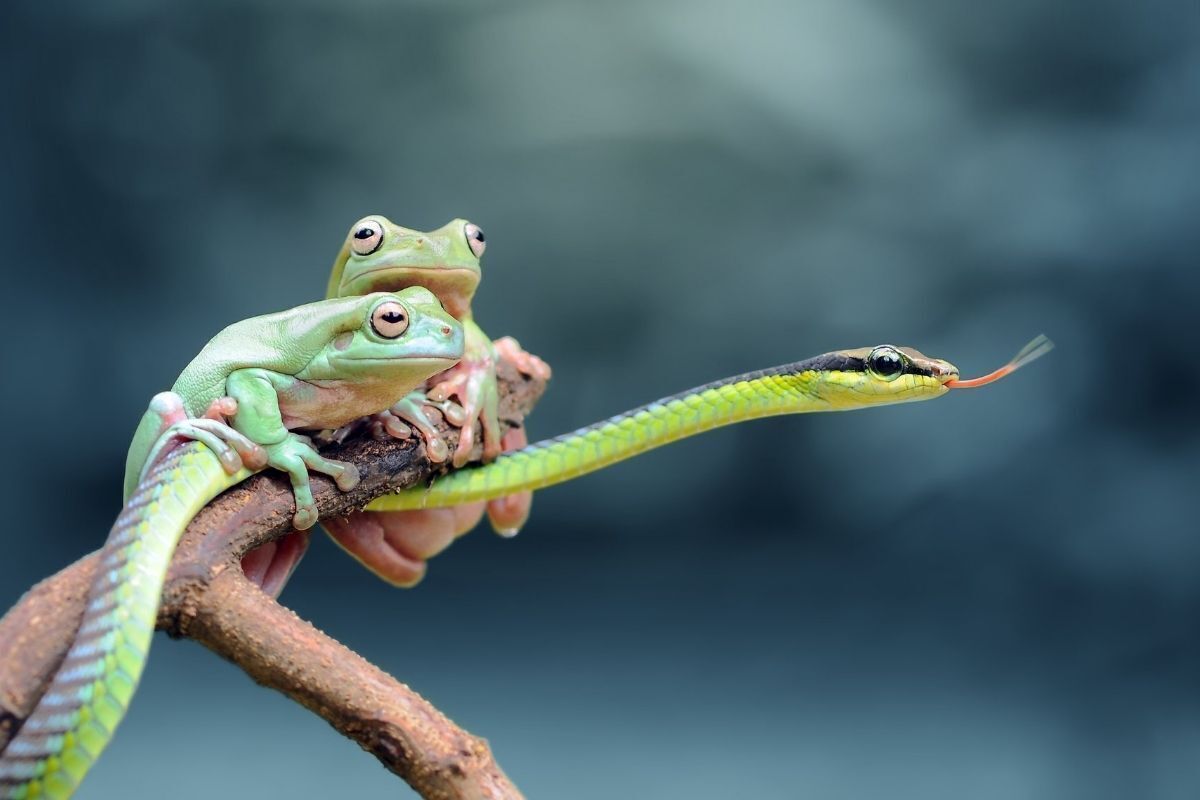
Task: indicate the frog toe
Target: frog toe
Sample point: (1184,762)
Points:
(526,363)
(348,478)
(365,538)
(305,517)
(466,442)
(344,474)
(452,412)
(436,449)
(410,413)
(509,514)
(394,426)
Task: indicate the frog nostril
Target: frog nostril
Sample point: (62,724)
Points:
(446,330)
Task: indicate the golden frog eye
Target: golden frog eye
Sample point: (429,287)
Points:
(885,363)
(475,238)
(366,236)
(389,319)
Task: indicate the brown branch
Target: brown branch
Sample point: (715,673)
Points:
(209,599)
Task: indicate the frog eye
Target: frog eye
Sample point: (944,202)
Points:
(475,238)
(366,237)
(885,363)
(389,319)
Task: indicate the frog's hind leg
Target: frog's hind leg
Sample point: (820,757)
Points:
(270,565)
(473,383)
(527,363)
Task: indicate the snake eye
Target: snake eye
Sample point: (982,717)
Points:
(389,319)
(367,236)
(475,238)
(886,363)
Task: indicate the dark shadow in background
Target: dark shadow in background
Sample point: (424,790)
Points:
(991,596)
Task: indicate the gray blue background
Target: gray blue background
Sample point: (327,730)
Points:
(996,595)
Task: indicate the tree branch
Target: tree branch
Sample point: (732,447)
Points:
(209,599)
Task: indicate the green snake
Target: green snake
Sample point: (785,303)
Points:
(78,713)
(88,697)
(839,381)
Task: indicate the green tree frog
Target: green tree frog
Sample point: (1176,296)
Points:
(378,255)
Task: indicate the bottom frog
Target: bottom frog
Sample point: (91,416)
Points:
(241,400)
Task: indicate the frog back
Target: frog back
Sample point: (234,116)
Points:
(283,342)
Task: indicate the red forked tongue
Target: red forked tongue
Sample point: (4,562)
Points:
(1034,350)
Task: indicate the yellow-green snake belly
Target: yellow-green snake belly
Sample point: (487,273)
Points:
(805,386)
(88,696)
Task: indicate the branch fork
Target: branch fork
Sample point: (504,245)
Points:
(208,598)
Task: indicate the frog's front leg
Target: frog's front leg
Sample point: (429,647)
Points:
(259,418)
(411,411)
(473,382)
(166,422)
(296,456)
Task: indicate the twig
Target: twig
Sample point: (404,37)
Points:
(209,599)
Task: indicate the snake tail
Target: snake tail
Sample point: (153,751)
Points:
(88,696)
(823,383)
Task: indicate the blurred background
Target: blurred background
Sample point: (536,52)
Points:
(990,596)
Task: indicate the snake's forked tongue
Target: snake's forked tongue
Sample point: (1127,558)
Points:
(1030,352)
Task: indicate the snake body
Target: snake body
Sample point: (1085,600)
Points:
(76,717)
(89,694)
(839,381)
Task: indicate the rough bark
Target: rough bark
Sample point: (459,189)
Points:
(207,598)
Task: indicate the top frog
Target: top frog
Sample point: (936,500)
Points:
(378,255)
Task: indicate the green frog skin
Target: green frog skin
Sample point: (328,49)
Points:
(235,409)
(378,255)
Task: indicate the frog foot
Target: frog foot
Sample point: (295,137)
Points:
(296,455)
(270,565)
(511,351)
(413,411)
(233,449)
(509,513)
(473,383)
(340,435)
(396,545)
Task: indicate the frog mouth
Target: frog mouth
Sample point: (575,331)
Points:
(407,359)
(414,268)
(452,285)
(396,278)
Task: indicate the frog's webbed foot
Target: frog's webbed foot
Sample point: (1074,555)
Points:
(509,513)
(296,456)
(473,383)
(270,565)
(396,545)
(527,363)
(233,449)
(340,435)
(413,412)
